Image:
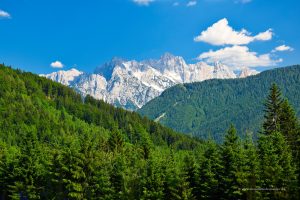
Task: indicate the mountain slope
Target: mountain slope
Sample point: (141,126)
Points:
(209,107)
(54,145)
(29,100)
(131,84)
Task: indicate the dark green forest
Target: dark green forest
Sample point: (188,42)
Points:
(54,144)
(208,108)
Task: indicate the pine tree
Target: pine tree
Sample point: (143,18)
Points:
(153,180)
(116,141)
(209,175)
(26,173)
(173,187)
(9,159)
(57,175)
(68,175)
(289,125)
(277,171)
(231,162)
(191,171)
(250,173)
(290,128)
(272,110)
(117,177)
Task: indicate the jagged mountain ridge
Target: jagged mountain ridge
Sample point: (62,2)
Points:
(131,84)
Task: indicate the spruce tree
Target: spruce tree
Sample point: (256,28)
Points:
(250,173)
(116,141)
(68,175)
(231,162)
(209,173)
(289,125)
(172,182)
(277,171)
(191,170)
(117,177)
(290,128)
(272,110)
(26,173)
(153,180)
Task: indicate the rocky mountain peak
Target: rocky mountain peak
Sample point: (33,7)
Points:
(107,68)
(131,84)
(247,72)
(168,60)
(64,77)
(222,71)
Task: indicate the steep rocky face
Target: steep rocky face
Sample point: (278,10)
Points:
(222,71)
(131,84)
(64,77)
(247,72)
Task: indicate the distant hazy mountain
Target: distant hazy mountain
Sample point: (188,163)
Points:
(131,84)
(209,107)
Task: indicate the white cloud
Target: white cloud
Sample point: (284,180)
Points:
(176,4)
(143,2)
(191,3)
(4,14)
(57,64)
(283,48)
(220,33)
(238,57)
(264,36)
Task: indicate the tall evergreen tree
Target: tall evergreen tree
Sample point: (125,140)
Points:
(277,171)
(290,128)
(289,125)
(250,173)
(172,179)
(209,173)
(191,170)
(153,180)
(68,174)
(231,162)
(117,177)
(116,141)
(27,172)
(272,110)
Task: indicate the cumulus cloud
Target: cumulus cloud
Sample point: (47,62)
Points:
(238,57)
(57,64)
(220,33)
(283,48)
(191,3)
(143,2)
(4,14)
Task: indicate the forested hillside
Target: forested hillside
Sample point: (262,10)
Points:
(56,145)
(207,108)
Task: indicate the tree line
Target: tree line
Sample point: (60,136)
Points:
(56,145)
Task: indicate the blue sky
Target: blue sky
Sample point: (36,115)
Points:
(85,34)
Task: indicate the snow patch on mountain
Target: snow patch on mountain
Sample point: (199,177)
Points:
(63,77)
(131,84)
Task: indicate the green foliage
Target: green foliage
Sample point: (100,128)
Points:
(231,153)
(210,177)
(55,145)
(209,107)
(277,171)
(289,126)
(250,175)
(273,107)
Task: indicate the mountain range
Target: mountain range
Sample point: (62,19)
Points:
(208,108)
(131,84)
